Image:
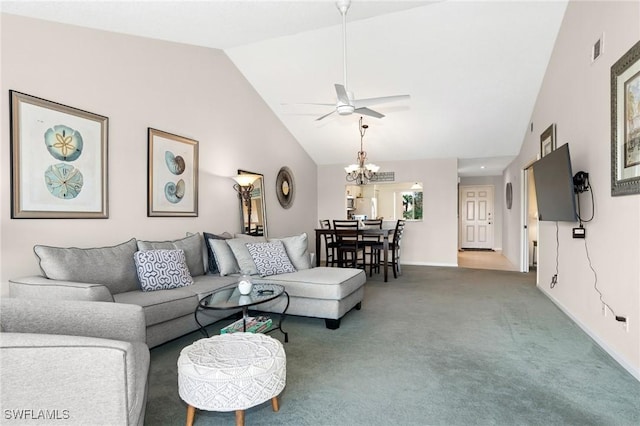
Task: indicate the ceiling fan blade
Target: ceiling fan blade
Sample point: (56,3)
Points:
(309,103)
(326,115)
(342,94)
(369,112)
(358,103)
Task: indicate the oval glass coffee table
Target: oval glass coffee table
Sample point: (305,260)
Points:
(229,297)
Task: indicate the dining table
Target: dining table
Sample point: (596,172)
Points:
(369,232)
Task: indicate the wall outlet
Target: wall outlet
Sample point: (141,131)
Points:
(624,321)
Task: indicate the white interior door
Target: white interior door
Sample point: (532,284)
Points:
(476,217)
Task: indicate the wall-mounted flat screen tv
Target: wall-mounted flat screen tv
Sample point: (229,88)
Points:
(553,179)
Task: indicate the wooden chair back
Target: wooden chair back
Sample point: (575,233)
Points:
(344,226)
(398,232)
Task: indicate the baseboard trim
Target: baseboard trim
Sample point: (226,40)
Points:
(452,265)
(635,372)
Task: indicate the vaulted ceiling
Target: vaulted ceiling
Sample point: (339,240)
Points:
(473,69)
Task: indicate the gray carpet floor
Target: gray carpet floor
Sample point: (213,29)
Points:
(437,346)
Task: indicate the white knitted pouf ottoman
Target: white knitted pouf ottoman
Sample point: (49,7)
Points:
(231,372)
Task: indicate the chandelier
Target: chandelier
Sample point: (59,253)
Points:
(361,173)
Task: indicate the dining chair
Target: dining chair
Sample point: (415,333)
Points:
(348,242)
(394,248)
(368,241)
(330,244)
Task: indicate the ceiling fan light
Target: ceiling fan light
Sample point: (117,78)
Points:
(345,109)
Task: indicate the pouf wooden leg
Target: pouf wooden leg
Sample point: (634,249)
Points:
(191,413)
(274,403)
(239,417)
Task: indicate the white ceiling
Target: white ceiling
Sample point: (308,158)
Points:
(473,68)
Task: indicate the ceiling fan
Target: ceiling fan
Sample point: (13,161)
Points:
(346,103)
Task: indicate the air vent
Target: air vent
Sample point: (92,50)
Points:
(598,48)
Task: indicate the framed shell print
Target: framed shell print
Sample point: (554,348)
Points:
(58,160)
(172,188)
(285,189)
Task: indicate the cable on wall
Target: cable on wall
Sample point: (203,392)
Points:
(554,279)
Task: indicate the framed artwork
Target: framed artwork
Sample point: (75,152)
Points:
(58,160)
(548,140)
(284,187)
(625,123)
(172,179)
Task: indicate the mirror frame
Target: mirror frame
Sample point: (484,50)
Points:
(261,205)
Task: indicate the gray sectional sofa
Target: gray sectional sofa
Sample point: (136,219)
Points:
(69,362)
(109,274)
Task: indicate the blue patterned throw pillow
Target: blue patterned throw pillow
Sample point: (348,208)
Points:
(162,269)
(270,258)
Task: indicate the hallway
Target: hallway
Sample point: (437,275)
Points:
(485,260)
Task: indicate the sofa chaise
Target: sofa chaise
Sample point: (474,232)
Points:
(119,274)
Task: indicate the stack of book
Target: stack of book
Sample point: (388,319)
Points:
(253,325)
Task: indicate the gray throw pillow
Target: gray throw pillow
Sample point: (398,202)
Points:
(162,269)
(225,259)
(112,266)
(213,266)
(270,258)
(242,255)
(192,246)
(297,250)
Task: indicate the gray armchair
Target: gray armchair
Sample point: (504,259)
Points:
(72,362)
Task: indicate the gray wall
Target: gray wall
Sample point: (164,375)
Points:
(576,96)
(138,83)
(432,241)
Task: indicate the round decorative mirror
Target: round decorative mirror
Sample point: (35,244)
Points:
(284,187)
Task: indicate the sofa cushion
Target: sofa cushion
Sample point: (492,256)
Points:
(297,250)
(192,246)
(204,285)
(212,265)
(243,257)
(162,269)
(162,305)
(321,282)
(111,266)
(270,258)
(225,260)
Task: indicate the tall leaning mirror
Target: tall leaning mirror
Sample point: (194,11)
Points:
(252,208)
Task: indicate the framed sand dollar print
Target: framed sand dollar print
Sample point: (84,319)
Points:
(285,189)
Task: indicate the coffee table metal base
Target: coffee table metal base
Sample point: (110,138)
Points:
(245,315)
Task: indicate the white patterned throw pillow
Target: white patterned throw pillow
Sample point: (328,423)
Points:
(270,258)
(162,269)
